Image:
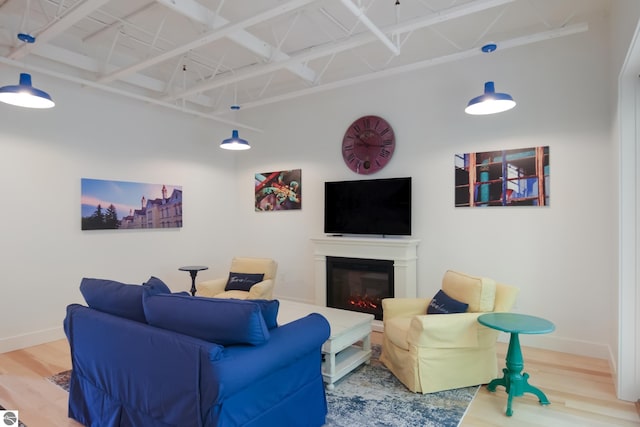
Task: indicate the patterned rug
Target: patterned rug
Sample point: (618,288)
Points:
(62,379)
(371,396)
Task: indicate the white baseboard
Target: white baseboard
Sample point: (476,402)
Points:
(564,345)
(33,338)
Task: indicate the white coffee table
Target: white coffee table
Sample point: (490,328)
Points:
(349,344)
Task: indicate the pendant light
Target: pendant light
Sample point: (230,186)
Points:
(235,142)
(24,94)
(490,102)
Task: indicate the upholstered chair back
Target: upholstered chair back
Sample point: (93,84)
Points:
(265,266)
(478,292)
(217,288)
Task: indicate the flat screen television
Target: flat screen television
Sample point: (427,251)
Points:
(373,206)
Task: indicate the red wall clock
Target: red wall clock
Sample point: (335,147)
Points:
(368,145)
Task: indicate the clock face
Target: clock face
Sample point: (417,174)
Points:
(368,145)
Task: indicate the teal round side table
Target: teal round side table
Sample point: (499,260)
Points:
(515,382)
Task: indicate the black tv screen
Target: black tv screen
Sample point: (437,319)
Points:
(374,206)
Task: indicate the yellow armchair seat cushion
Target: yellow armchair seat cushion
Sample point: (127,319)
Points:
(235,294)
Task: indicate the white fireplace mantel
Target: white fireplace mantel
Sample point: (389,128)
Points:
(401,250)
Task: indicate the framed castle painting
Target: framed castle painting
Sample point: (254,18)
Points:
(121,205)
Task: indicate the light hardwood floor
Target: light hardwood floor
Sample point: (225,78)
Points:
(580,389)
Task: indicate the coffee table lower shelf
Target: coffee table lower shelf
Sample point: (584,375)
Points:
(345,361)
(349,343)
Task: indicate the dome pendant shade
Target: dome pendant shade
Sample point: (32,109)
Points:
(490,102)
(25,95)
(235,142)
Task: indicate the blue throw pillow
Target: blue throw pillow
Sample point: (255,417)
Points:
(269,311)
(242,281)
(444,304)
(217,320)
(156,286)
(114,298)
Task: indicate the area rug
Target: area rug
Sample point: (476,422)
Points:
(371,396)
(62,379)
(7,422)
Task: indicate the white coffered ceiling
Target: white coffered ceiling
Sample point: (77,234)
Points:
(202,56)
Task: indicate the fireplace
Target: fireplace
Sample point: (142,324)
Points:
(402,251)
(359,284)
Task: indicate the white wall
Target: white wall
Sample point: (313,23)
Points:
(562,257)
(44,155)
(626,58)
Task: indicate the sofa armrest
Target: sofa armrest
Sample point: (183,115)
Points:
(262,290)
(457,330)
(211,288)
(405,307)
(109,365)
(288,345)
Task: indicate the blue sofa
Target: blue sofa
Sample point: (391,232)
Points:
(144,357)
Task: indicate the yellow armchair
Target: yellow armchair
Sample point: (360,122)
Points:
(434,352)
(215,288)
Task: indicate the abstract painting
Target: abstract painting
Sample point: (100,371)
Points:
(278,191)
(516,177)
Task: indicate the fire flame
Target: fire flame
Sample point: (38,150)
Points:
(364,302)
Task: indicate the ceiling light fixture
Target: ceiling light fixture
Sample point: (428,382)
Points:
(235,142)
(24,94)
(490,102)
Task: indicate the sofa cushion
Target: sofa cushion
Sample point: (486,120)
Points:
(113,297)
(221,321)
(478,292)
(442,303)
(157,286)
(242,281)
(269,310)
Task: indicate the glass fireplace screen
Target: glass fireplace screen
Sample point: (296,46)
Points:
(359,284)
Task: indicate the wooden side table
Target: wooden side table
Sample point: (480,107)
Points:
(193,271)
(515,382)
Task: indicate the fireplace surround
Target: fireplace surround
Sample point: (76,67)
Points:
(401,250)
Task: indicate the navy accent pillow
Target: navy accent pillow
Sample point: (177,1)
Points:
(109,296)
(269,311)
(217,320)
(444,304)
(242,281)
(156,286)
